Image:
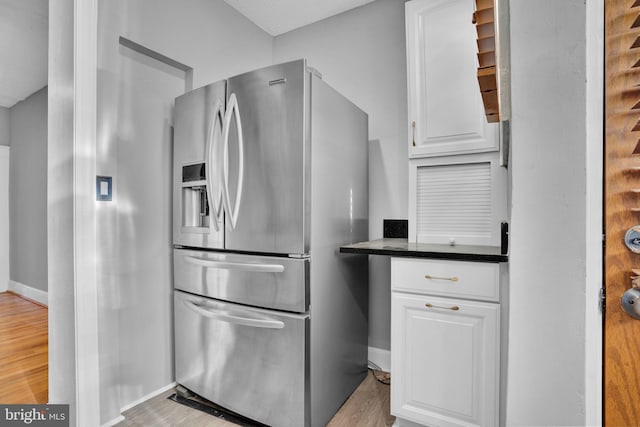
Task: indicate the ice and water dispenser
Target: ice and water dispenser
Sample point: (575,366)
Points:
(195,207)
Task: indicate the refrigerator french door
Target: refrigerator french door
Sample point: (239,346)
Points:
(241,179)
(197,198)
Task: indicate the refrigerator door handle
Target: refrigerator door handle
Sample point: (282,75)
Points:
(234,317)
(238,266)
(211,164)
(232,111)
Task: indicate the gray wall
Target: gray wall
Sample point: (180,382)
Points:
(361,53)
(5,135)
(546,373)
(135,109)
(28,191)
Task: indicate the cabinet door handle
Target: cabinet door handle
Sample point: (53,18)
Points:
(453,278)
(454,308)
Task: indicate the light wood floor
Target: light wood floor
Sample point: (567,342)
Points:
(24,345)
(368,406)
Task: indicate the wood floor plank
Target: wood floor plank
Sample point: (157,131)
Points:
(24,350)
(368,406)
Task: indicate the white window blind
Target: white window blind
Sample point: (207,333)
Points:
(454,202)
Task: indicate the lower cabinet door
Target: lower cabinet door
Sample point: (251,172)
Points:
(445,361)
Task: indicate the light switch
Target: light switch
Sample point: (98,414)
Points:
(103,188)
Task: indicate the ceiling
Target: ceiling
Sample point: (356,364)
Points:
(23,48)
(279,16)
(24,39)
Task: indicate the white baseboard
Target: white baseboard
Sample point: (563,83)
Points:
(148,396)
(381,358)
(29,292)
(399,422)
(113,421)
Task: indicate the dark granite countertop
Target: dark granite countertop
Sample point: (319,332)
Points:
(404,248)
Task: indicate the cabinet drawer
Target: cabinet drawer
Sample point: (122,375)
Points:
(457,279)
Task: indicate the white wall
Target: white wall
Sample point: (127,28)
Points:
(5,136)
(28,191)
(4,217)
(361,53)
(546,371)
(208,35)
(135,109)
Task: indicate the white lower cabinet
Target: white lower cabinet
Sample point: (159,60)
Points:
(444,355)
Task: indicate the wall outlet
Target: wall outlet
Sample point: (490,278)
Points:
(395,228)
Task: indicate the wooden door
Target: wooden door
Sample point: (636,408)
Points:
(622,209)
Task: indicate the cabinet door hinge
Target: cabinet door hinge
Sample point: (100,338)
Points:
(603,300)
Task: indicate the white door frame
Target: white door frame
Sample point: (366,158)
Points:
(84,216)
(594,210)
(5,153)
(71,217)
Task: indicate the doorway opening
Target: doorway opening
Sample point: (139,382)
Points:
(23,202)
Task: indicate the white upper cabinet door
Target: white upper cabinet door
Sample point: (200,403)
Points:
(446,114)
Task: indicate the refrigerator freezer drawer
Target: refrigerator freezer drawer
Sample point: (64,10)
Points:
(273,282)
(251,361)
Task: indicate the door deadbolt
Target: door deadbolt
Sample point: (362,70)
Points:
(632,239)
(631,302)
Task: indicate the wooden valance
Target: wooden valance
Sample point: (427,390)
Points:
(485,22)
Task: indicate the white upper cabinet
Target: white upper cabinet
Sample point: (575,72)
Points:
(446,113)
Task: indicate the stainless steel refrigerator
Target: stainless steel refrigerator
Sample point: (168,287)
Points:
(270,179)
